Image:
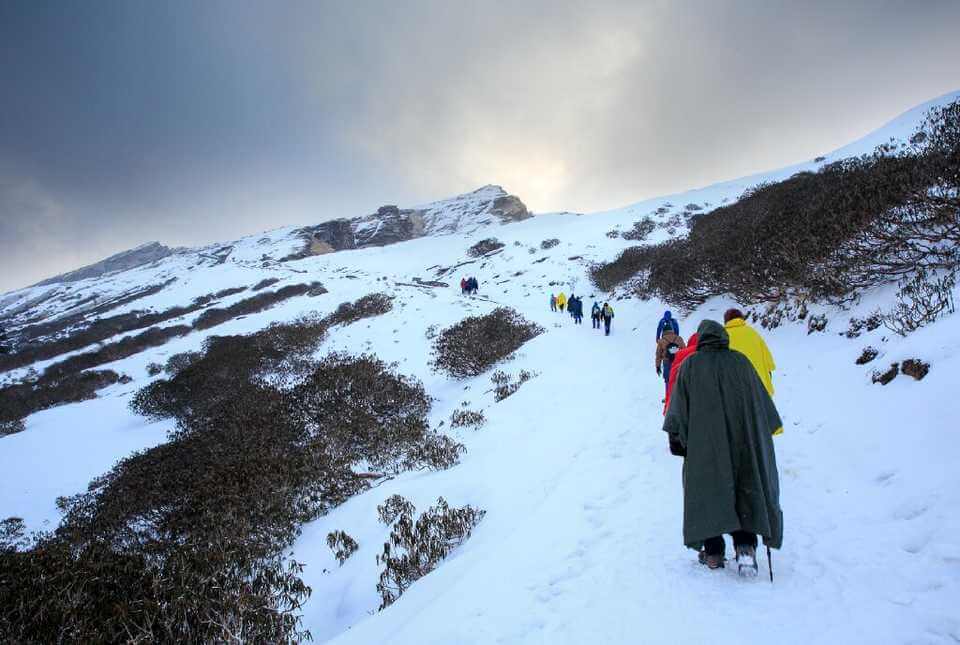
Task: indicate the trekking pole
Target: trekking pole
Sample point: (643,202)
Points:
(769,563)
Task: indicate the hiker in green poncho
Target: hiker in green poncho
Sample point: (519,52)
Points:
(721,419)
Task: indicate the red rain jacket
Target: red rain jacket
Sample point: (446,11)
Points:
(675,367)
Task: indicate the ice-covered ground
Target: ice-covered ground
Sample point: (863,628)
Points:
(582,537)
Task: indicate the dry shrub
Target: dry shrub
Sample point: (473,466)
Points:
(154,369)
(255,304)
(868,354)
(181,361)
(549,244)
(467,419)
(392,508)
(640,230)
(921,300)
(858,325)
(885,377)
(266,282)
(415,548)
(12,534)
(915,367)
(817,323)
(342,545)
(11,426)
(483,247)
(23,399)
(374,304)
(123,348)
(475,344)
(200,380)
(506,386)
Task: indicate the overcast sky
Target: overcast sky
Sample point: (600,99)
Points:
(191,121)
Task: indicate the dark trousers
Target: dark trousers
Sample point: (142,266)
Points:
(577,318)
(596,321)
(606,325)
(561,307)
(716,545)
(665,366)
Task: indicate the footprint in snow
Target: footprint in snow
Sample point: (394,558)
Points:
(885,478)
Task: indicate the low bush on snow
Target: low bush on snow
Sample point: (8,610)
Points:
(477,343)
(504,385)
(467,419)
(640,230)
(415,548)
(392,508)
(549,244)
(184,542)
(263,284)
(20,400)
(921,299)
(885,376)
(342,545)
(11,426)
(868,354)
(915,368)
(488,245)
(254,304)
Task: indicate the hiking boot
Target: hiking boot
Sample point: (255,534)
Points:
(747,560)
(712,560)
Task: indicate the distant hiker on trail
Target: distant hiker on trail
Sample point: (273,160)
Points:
(746,340)
(561,301)
(463,286)
(553,302)
(472,285)
(667,322)
(722,420)
(595,315)
(667,348)
(607,314)
(675,368)
(576,307)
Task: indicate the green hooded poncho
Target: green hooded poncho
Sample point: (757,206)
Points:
(723,417)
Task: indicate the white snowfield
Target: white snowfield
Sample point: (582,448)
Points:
(582,542)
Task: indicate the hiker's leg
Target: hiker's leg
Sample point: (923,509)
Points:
(714,545)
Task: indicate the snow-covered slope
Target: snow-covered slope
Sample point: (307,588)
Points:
(582,537)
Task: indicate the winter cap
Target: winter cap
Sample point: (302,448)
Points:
(732,313)
(667,315)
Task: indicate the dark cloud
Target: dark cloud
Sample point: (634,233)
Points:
(126,120)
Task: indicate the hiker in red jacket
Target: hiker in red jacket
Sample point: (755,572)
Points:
(675,368)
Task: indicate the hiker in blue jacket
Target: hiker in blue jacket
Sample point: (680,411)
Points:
(667,322)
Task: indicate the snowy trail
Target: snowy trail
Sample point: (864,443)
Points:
(582,540)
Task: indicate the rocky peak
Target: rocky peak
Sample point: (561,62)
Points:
(465,213)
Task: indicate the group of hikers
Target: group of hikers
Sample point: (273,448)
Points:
(720,417)
(574,305)
(469,286)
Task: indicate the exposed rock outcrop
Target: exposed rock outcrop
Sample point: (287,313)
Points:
(391,224)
